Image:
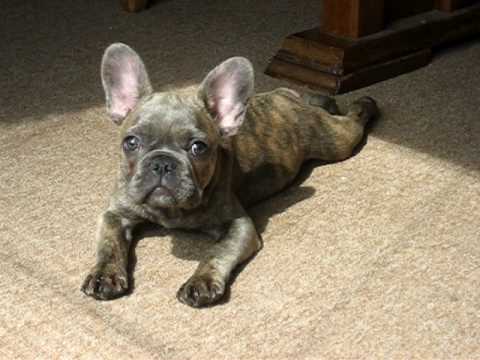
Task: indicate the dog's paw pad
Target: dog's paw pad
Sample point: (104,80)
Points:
(200,291)
(105,285)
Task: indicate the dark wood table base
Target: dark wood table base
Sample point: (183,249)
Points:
(354,48)
(133,5)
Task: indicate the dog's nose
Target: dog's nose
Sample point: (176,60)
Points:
(162,165)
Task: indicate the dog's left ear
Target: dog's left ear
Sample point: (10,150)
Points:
(226,91)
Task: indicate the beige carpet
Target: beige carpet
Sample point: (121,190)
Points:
(375,257)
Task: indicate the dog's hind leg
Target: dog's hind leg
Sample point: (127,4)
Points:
(334,137)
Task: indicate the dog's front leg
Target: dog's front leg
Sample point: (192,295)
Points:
(109,279)
(207,284)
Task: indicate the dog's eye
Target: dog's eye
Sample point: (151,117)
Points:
(198,148)
(131,143)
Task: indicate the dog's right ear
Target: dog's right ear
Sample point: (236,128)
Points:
(125,80)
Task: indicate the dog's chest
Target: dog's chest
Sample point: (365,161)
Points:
(181,219)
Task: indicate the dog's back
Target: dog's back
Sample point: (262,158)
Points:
(283,129)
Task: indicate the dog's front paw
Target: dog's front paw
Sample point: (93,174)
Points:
(105,283)
(201,290)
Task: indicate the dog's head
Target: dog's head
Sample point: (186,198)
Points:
(170,140)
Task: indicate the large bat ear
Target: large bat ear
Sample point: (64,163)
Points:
(125,80)
(226,91)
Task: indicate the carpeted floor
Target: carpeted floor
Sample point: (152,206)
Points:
(374,257)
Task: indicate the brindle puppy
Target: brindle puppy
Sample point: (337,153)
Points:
(196,160)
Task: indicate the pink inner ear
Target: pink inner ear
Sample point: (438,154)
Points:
(125,92)
(226,96)
(224,106)
(232,117)
(227,106)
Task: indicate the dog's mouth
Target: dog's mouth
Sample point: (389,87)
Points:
(161,196)
(157,196)
(142,191)
(177,189)
(161,192)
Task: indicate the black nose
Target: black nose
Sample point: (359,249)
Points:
(162,165)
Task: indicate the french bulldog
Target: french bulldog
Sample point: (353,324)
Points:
(198,159)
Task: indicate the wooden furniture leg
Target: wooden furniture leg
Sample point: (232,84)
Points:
(360,42)
(352,18)
(452,5)
(133,5)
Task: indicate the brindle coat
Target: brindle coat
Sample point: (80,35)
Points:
(256,146)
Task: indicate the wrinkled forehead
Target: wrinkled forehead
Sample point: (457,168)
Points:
(163,114)
(167,110)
